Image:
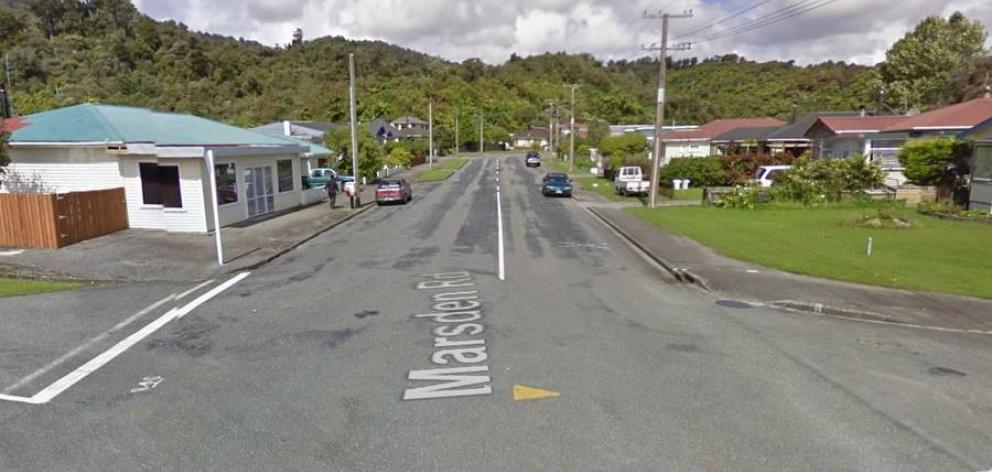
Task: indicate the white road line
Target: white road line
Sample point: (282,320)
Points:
(69,355)
(499,223)
(99,361)
(11,253)
(186,293)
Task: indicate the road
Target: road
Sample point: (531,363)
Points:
(337,357)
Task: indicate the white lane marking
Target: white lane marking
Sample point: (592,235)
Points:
(11,253)
(186,293)
(69,355)
(499,223)
(99,361)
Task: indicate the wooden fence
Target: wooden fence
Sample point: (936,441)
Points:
(51,221)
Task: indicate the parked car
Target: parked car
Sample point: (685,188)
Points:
(765,175)
(557,184)
(318,178)
(393,191)
(630,181)
(533,159)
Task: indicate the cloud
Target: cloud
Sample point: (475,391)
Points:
(850,30)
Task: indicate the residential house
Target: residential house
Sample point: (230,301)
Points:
(647,130)
(310,134)
(581,129)
(410,127)
(792,138)
(161,162)
(861,135)
(744,140)
(980,198)
(698,142)
(535,136)
(384,132)
(948,121)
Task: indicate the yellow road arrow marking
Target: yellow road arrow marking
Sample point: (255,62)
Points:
(522,392)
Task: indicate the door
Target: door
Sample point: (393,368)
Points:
(259,191)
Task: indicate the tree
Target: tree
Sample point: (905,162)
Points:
(399,157)
(942,161)
(370,153)
(624,145)
(918,67)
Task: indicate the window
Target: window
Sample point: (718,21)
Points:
(226,177)
(284,169)
(983,163)
(160,185)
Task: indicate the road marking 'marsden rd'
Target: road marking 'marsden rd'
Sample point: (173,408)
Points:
(459,348)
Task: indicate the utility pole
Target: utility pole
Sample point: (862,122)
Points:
(482,135)
(571,130)
(551,124)
(354,126)
(430,133)
(660,103)
(10,91)
(457,148)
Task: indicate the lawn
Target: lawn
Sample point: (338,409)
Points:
(15,287)
(434,175)
(604,188)
(935,255)
(451,164)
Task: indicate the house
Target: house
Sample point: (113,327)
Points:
(947,121)
(745,140)
(311,131)
(384,132)
(647,130)
(861,135)
(310,134)
(410,127)
(792,138)
(535,136)
(980,197)
(161,162)
(581,129)
(698,142)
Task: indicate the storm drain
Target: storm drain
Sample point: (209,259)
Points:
(734,304)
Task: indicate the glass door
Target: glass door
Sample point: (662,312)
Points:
(259,191)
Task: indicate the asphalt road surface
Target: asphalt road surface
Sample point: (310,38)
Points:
(391,344)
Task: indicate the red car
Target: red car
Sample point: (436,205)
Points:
(393,191)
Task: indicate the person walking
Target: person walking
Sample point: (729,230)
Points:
(332,190)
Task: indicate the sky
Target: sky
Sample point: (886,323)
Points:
(857,31)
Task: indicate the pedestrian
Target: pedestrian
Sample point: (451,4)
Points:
(332,190)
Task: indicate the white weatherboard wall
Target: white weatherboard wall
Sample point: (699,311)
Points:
(191,218)
(687,149)
(232,213)
(61,169)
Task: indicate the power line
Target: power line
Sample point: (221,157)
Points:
(722,20)
(783,14)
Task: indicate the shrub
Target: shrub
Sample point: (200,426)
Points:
(701,171)
(398,156)
(942,161)
(739,169)
(815,181)
(624,144)
(744,198)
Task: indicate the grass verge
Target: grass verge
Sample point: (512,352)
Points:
(934,255)
(15,287)
(451,164)
(434,175)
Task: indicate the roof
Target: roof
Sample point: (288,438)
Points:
(312,148)
(860,124)
(413,120)
(979,131)
(305,128)
(746,133)
(717,127)
(109,123)
(797,131)
(962,116)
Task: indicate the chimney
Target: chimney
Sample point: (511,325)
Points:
(287,128)
(795,108)
(864,111)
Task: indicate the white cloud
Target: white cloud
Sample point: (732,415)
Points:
(850,30)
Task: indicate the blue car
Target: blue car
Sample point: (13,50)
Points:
(557,184)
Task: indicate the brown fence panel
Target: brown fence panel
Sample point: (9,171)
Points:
(86,215)
(28,220)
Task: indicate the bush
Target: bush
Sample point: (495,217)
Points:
(398,157)
(816,181)
(624,144)
(744,198)
(701,171)
(739,169)
(941,161)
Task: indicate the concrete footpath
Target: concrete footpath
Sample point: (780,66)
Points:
(693,263)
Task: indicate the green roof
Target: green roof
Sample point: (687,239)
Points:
(99,123)
(313,149)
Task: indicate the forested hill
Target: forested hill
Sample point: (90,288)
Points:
(63,52)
